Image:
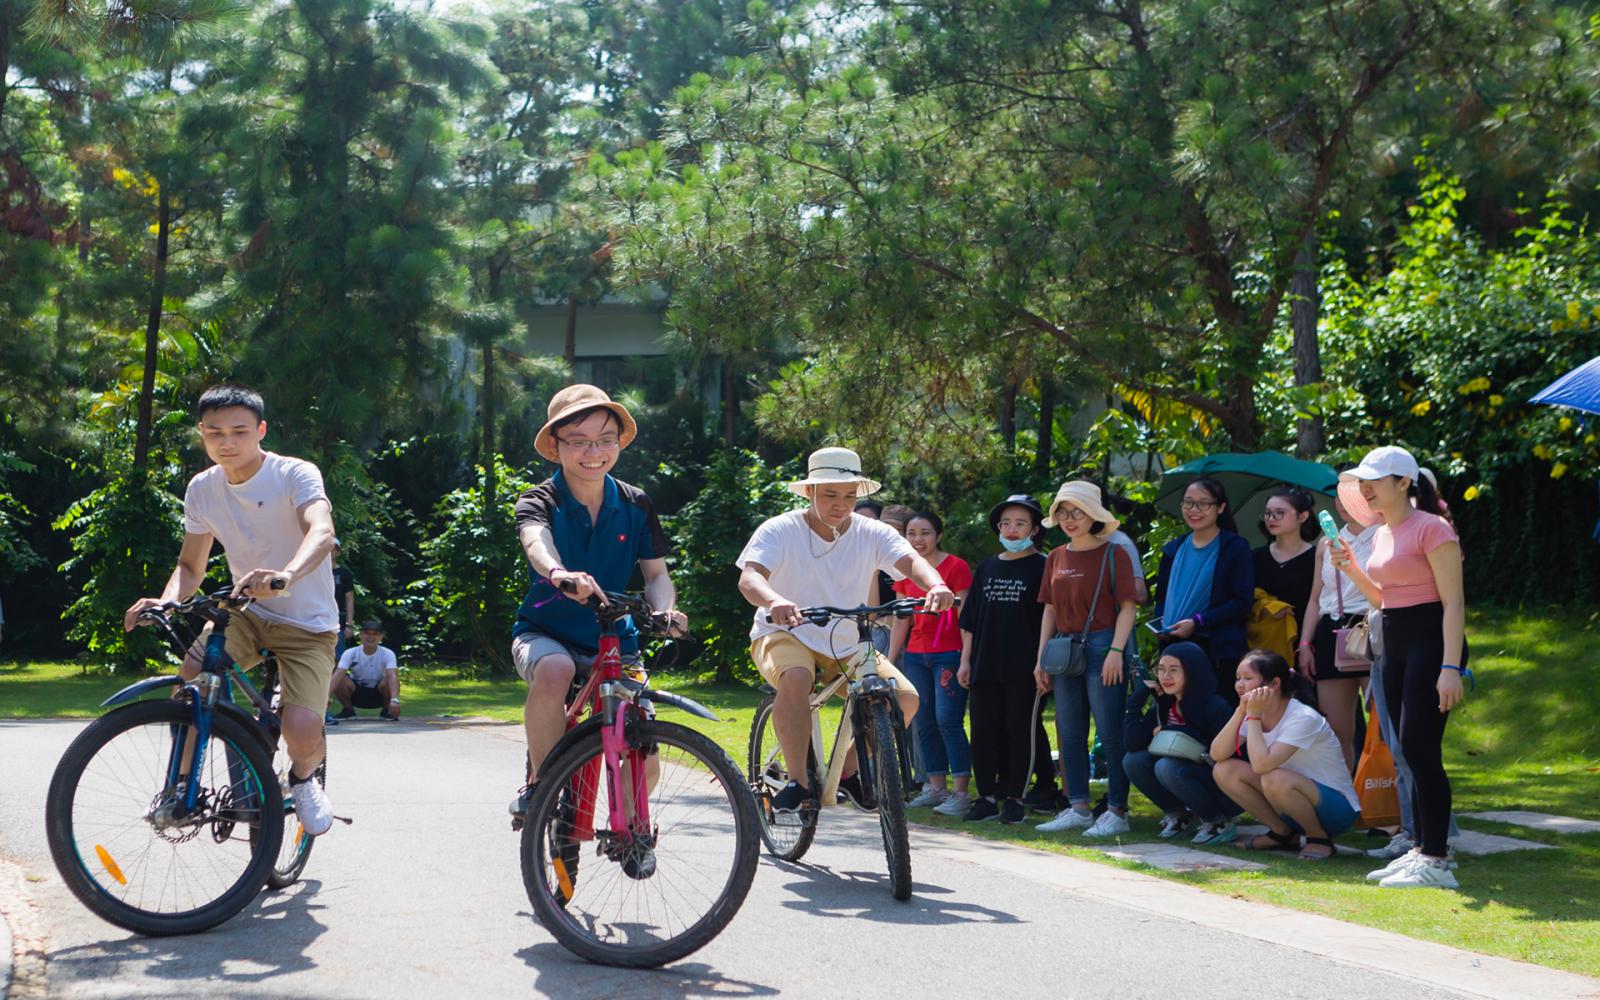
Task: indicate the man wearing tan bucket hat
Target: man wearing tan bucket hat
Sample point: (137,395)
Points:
(823,554)
(583,526)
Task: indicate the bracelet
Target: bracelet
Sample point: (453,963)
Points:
(1252,718)
(1114,649)
(1199,622)
(1303,645)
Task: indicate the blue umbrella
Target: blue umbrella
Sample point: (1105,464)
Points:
(1579,389)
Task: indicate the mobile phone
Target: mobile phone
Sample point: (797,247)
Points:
(1154,625)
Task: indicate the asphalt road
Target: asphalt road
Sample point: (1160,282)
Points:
(422,896)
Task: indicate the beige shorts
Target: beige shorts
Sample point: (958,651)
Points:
(776,653)
(305,659)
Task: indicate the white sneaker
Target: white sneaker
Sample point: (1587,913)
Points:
(955,804)
(1109,825)
(930,796)
(311,807)
(1396,866)
(1398,846)
(1173,824)
(1067,819)
(1427,873)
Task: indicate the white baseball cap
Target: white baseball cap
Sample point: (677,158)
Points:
(1383,462)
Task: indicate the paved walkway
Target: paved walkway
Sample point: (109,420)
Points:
(422,896)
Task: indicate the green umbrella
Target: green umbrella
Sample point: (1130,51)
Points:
(1248,479)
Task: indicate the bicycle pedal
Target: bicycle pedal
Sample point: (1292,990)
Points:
(346,820)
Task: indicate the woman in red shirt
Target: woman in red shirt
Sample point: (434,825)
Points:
(932,646)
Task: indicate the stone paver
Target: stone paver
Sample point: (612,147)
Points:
(1539,821)
(1172,858)
(1473,842)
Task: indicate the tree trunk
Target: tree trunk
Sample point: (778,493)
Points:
(570,350)
(730,402)
(489,484)
(1008,412)
(152,331)
(1044,455)
(1309,438)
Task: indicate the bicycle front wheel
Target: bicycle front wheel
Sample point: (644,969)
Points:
(883,751)
(123,841)
(648,893)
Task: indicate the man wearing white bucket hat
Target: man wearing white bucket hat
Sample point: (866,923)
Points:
(824,554)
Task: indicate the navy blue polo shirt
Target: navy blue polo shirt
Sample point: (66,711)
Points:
(607,548)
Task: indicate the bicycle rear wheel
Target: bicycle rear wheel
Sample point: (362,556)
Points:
(882,750)
(787,835)
(295,851)
(651,897)
(122,841)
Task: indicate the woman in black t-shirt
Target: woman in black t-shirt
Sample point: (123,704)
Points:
(999,644)
(1286,567)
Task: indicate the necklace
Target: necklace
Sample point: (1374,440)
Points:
(811,540)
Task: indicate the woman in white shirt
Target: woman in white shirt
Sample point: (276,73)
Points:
(1279,760)
(1340,604)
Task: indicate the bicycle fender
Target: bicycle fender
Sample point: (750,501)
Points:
(679,701)
(139,689)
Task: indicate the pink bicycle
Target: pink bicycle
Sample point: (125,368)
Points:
(641,837)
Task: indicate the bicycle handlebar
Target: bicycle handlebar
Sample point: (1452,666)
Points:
(904,607)
(201,603)
(645,618)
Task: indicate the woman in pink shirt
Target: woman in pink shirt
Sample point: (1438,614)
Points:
(1414,575)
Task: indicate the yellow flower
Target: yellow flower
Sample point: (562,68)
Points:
(1422,408)
(1471,493)
(1495,399)
(1572,311)
(1475,385)
(1565,423)
(1588,439)
(1558,470)
(1542,451)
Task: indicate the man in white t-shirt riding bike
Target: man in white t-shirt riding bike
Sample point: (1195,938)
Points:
(368,676)
(271,514)
(823,555)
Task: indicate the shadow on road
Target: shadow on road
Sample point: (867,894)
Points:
(565,976)
(866,896)
(269,939)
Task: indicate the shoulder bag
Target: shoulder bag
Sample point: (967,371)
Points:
(1068,655)
(1352,647)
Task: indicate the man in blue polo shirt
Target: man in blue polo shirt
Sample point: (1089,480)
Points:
(584,526)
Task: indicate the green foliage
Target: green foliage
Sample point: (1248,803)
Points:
(474,573)
(16,555)
(125,538)
(1444,350)
(738,492)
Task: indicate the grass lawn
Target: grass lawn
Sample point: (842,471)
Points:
(1528,738)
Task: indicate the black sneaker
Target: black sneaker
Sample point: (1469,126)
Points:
(1012,812)
(519,805)
(348,713)
(850,788)
(1042,800)
(383,713)
(980,810)
(791,798)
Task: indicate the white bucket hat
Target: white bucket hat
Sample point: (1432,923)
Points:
(834,466)
(1086,497)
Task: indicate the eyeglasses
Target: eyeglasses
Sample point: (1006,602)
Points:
(1071,514)
(603,444)
(1274,515)
(1197,504)
(1168,671)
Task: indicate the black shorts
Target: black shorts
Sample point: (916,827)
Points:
(1322,649)
(368,697)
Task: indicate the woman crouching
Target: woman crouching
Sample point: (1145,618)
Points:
(1280,760)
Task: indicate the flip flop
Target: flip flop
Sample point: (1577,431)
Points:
(1306,855)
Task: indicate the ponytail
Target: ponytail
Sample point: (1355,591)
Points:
(1427,496)
(1272,666)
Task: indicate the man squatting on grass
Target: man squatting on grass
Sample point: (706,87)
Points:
(272,516)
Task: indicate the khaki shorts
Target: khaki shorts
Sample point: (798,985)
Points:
(779,652)
(305,659)
(529,648)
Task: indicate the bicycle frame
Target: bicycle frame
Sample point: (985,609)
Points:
(602,695)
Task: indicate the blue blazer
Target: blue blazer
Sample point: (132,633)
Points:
(1233,594)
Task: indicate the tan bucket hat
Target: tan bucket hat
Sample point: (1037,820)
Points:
(1086,497)
(835,465)
(572,400)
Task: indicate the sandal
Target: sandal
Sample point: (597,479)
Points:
(1274,842)
(1306,855)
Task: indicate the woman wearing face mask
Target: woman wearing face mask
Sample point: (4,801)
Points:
(1205,587)
(932,648)
(999,633)
(1286,566)
(1080,599)
(1295,779)
(1336,602)
(1186,701)
(1414,575)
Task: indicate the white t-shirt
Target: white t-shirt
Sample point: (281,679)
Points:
(1337,585)
(1319,756)
(368,670)
(257,525)
(810,571)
